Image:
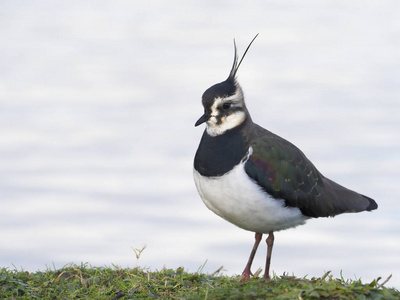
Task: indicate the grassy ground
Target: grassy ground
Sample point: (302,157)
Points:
(86,282)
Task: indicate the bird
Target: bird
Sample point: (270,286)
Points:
(256,179)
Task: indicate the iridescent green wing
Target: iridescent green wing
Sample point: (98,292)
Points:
(284,172)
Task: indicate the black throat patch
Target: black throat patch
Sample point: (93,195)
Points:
(219,154)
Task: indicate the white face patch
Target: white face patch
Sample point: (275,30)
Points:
(228,121)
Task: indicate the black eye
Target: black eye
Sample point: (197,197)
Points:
(226,105)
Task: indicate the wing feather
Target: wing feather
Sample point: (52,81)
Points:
(284,172)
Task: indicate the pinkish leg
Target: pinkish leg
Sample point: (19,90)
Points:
(270,244)
(247,271)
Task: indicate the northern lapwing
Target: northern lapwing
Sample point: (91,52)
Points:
(255,179)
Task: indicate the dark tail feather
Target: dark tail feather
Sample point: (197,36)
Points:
(345,200)
(372,204)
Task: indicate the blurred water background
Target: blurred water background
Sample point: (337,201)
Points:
(97,108)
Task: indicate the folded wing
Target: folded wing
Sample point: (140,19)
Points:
(284,172)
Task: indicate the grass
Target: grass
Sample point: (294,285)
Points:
(87,282)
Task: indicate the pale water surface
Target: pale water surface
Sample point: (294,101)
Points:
(97,107)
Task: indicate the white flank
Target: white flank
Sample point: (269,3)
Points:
(239,200)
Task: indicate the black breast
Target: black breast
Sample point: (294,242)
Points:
(218,155)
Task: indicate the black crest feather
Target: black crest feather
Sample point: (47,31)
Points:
(236,65)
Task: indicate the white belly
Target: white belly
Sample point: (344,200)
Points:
(239,200)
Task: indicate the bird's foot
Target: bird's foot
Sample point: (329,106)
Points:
(246,275)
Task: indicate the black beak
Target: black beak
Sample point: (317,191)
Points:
(203,118)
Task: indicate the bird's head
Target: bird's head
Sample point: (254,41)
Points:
(224,106)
